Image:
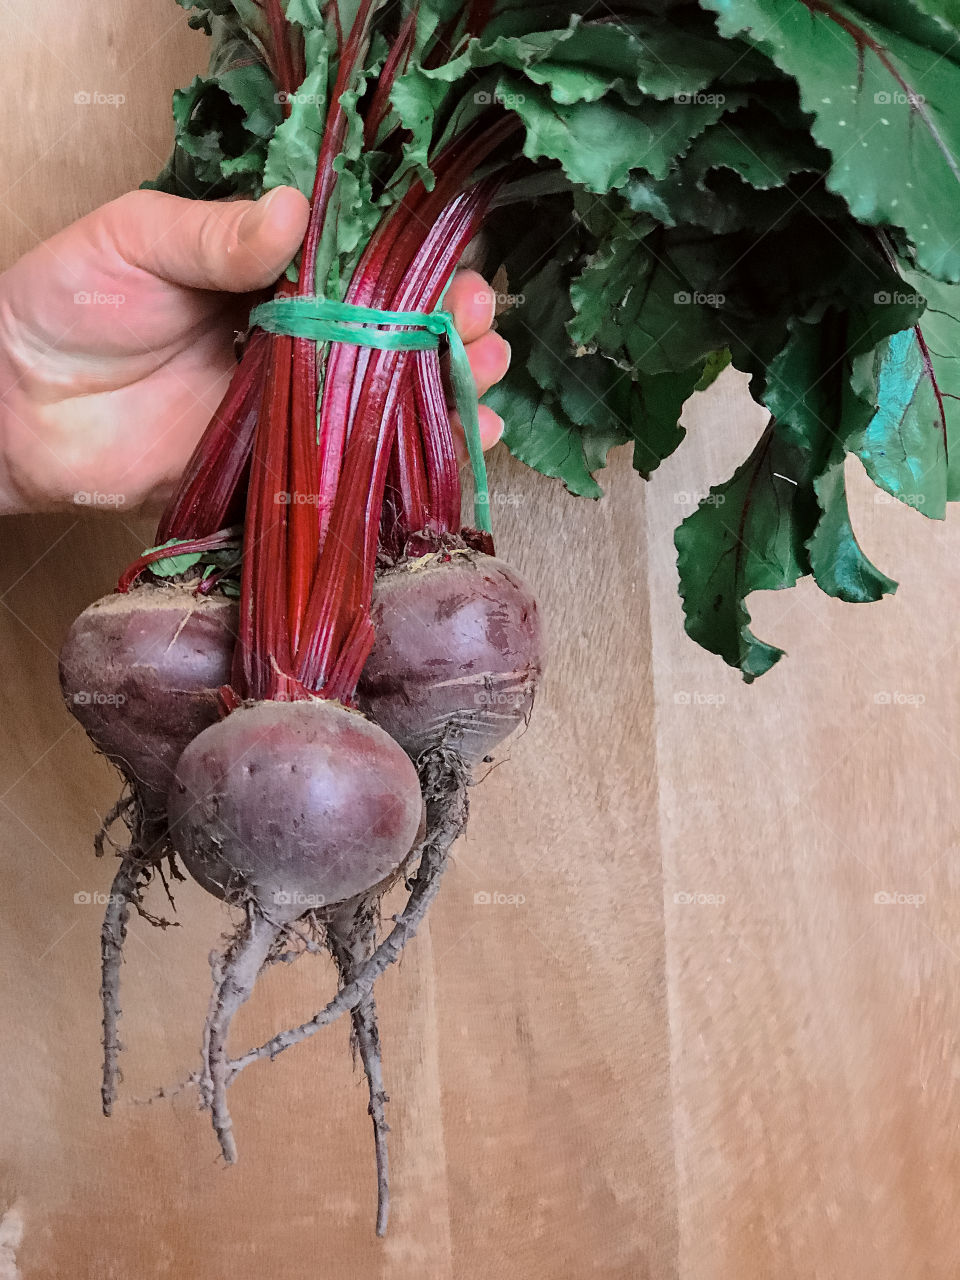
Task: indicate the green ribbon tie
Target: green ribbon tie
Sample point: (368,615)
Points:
(323,320)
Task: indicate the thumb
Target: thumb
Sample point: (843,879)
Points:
(233,246)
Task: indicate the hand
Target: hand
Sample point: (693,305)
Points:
(116,342)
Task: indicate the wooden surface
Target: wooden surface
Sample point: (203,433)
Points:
(698,1048)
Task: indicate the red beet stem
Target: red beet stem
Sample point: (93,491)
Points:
(395,63)
(344,583)
(286,54)
(262,656)
(440,455)
(375,281)
(218,541)
(331,144)
(411,467)
(305,594)
(209,494)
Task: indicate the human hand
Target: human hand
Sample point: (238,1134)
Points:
(117,342)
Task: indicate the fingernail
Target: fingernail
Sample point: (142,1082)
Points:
(257,214)
(491,437)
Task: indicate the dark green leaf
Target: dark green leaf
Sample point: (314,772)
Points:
(747,535)
(598,143)
(883,106)
(903,445)
(836,559)
(717,361)
(635,303)
(540,434)
(223,121)
(818,411)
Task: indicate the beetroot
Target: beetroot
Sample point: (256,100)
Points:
(457,655)
(295,805)
(141,670)
(285,808)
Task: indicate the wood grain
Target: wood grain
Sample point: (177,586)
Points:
(699,1048)
(526,1046)
(813,1044)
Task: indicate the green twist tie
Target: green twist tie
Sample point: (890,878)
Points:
(323,320)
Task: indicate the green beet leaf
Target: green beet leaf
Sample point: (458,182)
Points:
(749,534)
(911,446)
(817,412)
(292,154)
(599,143)
(636,58)
(884,107)
(933,23)
(172,566)
(539,434)
(836,558)
(223,120)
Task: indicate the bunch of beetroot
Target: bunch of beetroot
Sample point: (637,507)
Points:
(298,679)
(308,666)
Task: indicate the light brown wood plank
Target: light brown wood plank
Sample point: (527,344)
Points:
(814,1030)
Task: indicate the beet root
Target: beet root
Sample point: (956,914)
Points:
(443,779)
(143,855)
(287,808)
(350,932)
(293,805)
(457,656)
(141,672)
(352,937)
(234,980)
